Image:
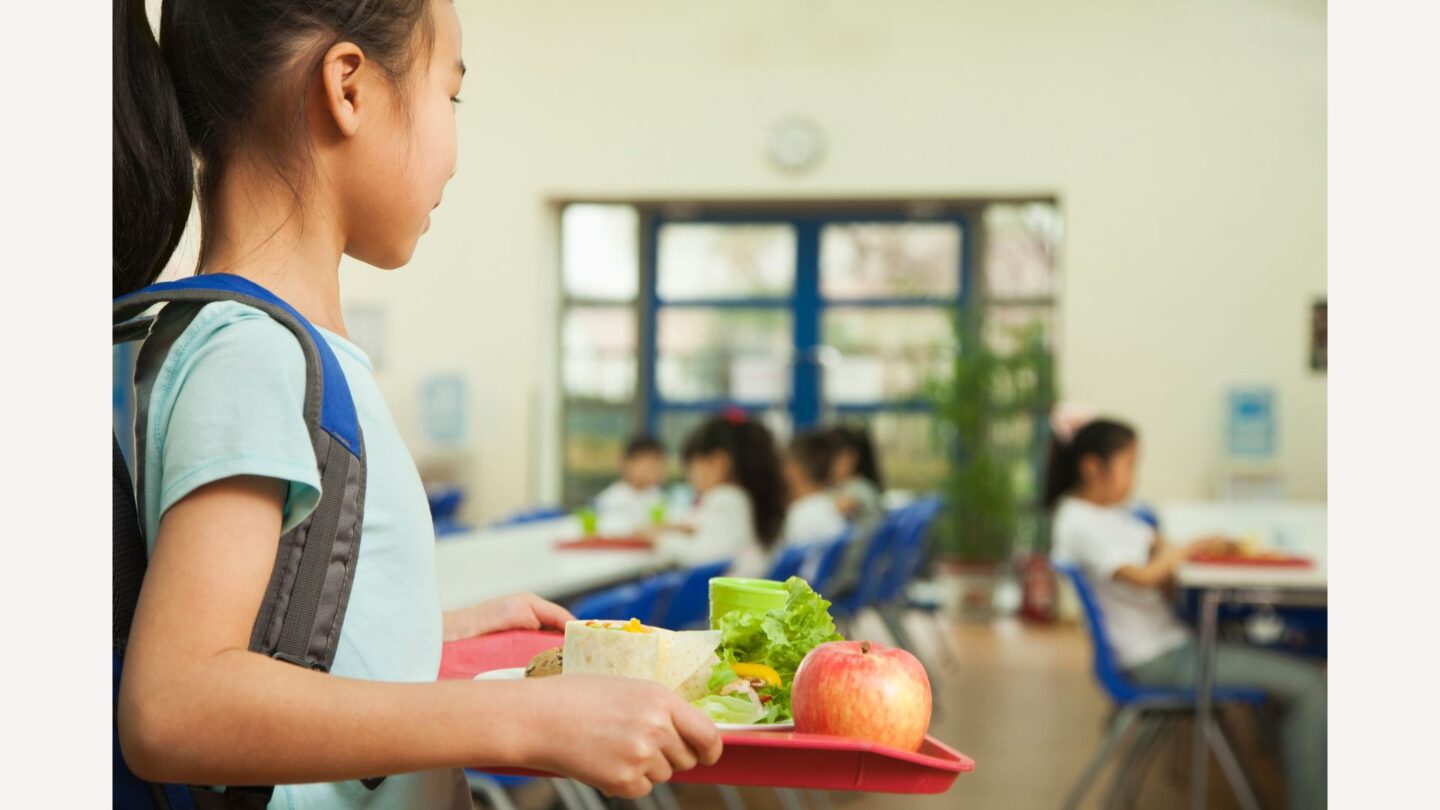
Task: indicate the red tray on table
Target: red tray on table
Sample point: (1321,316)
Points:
(1275,561)
(754,758)
(605,544)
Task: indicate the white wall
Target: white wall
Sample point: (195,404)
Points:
(1185,140)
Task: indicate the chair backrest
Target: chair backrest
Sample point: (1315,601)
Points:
(877,562)
(639,600)
(789,561)
(822,564)
(907,552)
(445,503)
(534,515)
(1107,668)
(689,604)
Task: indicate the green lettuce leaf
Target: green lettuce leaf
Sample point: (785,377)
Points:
(779,639)
(730,709)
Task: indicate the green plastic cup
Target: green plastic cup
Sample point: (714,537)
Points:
(589,521)
(728,594)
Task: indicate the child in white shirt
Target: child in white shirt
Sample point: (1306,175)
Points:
(813,516)
(1128,564)
(733,466)
(627,504)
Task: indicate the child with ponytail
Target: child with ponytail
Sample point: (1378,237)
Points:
(319,128)
(1089,482)
(734,467)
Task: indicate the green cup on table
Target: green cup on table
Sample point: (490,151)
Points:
(589,521)
(728,594)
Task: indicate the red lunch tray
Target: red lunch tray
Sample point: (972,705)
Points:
(754,758)
(604,544)
(1265,562)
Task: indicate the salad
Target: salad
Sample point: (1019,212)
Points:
(759,653)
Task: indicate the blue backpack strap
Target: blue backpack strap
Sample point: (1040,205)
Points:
(303,609)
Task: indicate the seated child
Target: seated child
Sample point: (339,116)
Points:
(627,504)
(1129,565)
(813,516)
(733,466)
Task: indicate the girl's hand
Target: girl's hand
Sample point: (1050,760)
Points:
(621,735)
(847,505)
(518,611)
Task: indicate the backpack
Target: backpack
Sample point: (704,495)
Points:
(303,608)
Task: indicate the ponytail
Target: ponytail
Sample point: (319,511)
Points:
(153,179)
(1101,437)
(755,461)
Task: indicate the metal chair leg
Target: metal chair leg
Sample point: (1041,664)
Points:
(1230,766)
(790,799)
(1130,773)
(730,795)
(494,795)
(565,790)
(665,797)
(646,802)
(1119,726)
(819,799)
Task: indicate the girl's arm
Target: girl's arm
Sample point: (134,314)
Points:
(197,707)
(1165,558)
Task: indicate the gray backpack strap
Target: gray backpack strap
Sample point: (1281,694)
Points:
(303,609)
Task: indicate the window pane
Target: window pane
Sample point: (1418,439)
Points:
(890,260)
(1021,246)
(595,436)
(911,449)
(598,353)
(599,255)
(706,260)
(1008,328)
(737,354)
(885,353)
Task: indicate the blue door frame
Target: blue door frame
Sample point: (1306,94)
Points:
(806,304)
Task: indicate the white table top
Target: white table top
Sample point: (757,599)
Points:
(491,562)
(1292,527)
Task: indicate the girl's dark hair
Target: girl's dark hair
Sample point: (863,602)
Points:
(814,452)
(225,76)
(756,463)
(1102,437)
(639,445)
(856,438)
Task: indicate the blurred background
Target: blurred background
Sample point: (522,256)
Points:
(824,211)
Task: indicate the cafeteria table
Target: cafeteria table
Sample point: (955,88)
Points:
(478,565)
(1300,530)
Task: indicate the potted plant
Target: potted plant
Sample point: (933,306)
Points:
(990,406)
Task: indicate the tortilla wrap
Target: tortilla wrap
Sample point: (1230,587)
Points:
(678,661)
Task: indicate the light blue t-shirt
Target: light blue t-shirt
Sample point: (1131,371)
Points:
(228,401)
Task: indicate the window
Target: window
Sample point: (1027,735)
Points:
(800,315)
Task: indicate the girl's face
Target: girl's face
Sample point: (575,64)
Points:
(843,468)
(1109,481)
(401,159)
(708,470)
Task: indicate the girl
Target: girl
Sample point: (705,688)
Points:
(321,128)
(813,516)
(1090,479)
(734,468)
(855,476)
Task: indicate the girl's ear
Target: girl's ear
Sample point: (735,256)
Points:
(1090,468)
(341,82)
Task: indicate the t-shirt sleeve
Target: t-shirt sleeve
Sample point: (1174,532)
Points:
(1084,539)
(232,404)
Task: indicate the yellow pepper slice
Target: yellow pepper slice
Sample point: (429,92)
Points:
(634,626)
(760,671)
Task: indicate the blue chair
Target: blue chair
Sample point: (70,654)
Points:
(444,511)
(789,561)
(822,565)
(640,600)
(1156,709)
(689,603)
(534,515)
(874,567)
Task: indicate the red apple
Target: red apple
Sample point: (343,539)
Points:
(863,690)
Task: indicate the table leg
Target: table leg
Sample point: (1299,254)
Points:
(1204,694)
